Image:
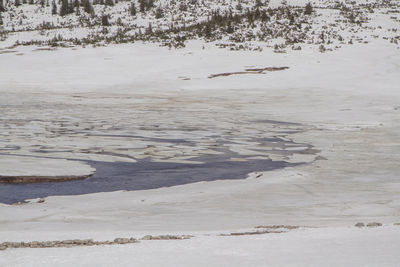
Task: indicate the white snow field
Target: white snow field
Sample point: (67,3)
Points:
(310,247)
(334,115)
(347,103)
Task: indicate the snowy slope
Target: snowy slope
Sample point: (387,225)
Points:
(342,88)
(329,26)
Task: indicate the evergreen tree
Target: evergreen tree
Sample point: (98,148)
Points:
(87,6)
(352,18)
(2,6)
(291,19)
(109,3)
(142,6)
(17,3)
(150,4)
(145,5)
(229,28)
(104,20)
(54,8)
(264,16)
(207,31)
(77,8)
(132,9)
(308,9)
(149,29)
(64,9)
(71,7)
(239,6)
(159,13)
(183,7)
(259,3)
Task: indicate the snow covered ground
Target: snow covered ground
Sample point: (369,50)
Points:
(336,112)
(346,102)
(308,247)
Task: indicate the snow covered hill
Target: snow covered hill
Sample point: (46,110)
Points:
(234,24)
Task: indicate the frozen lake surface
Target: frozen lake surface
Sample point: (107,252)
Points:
(139,140)
(114,176)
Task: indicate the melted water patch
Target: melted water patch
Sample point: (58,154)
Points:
(144,174)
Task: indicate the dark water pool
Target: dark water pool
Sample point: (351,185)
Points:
(141,175)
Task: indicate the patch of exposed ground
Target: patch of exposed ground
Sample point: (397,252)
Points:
(87,242)
(40,179)
(166,237)
(265,229)
(130,240)
(253,233)
(248,71)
